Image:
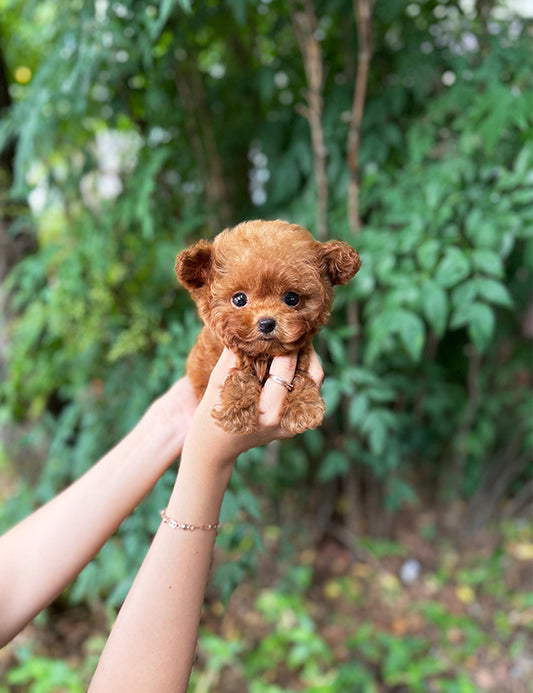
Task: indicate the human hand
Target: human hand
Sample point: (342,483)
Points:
(169,417)
(205,437)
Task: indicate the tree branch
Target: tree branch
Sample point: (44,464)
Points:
(504,467)
(201,134)
(363,13)
(305,26)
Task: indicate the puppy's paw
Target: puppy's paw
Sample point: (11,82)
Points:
(304,408)
(235,419)
(237,411)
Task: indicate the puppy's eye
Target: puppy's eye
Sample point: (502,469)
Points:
(291,299)
(240,299)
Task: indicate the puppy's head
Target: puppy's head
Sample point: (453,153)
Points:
(265,287)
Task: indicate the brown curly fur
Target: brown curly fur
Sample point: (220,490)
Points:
(265,260)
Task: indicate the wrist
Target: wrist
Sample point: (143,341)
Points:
(167,420)
(159,443)
(206,448)
(199,490)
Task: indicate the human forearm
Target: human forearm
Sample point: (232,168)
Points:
(58,540)
(152,645)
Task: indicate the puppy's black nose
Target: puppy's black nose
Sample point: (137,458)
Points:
(266,325)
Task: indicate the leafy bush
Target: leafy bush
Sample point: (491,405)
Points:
(41,675)
(293,643)
(426,356)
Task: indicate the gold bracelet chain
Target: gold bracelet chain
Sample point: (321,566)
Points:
(174,524)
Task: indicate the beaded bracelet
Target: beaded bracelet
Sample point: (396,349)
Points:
(174,524)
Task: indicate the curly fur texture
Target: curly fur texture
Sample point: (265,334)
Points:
(269,263)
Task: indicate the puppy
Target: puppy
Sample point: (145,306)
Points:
(263,288)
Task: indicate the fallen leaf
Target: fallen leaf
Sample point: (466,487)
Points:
(465,594)
(399,626)
(307,556)
(484,679)
(361,570)
(389,582)
(454,635)
(332,589)
(523,551)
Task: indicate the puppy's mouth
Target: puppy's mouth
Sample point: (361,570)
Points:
(258,344)
(278,342)
(272,344)
(265,346)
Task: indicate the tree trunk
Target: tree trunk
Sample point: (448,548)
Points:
(305,26)
(363,14)
(200,130)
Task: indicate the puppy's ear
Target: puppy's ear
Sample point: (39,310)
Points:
(340,261)
(193,265)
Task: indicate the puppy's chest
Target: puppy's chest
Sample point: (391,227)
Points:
(260,367)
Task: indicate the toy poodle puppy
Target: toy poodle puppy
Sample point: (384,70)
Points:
(263,289)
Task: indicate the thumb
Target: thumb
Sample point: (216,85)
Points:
(220,372)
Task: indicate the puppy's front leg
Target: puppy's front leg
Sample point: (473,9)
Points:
(304,408)
(237,411)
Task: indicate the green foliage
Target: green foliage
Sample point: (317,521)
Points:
(408,661)
(363,629)
(42,675)
(33,670)
(293,642)
(358,630)
(144,127)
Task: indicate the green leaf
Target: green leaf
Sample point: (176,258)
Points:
(453,268)
(358,409)
(249,503)
(336,347)
(412,333)
(523,160)
(230,507)
(474,223)
(331,393)
(491,126)
(481,325)
(427,254)
(494,292)
(381,394)
(464,294)
(399,492)
(335,463)
(227,577)
(433,192)
(398,321)
(487,261)
(364,376)
(435,306)
(420,139)
(462,314)
(239,10)
(376,428)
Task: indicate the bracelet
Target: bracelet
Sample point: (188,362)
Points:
(174,524)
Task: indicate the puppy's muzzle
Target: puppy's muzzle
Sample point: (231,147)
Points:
(266,325)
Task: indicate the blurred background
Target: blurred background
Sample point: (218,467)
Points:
(391,550)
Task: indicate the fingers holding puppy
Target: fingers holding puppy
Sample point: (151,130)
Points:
(290,399)
(275,389)
(315,370)
(274,399)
